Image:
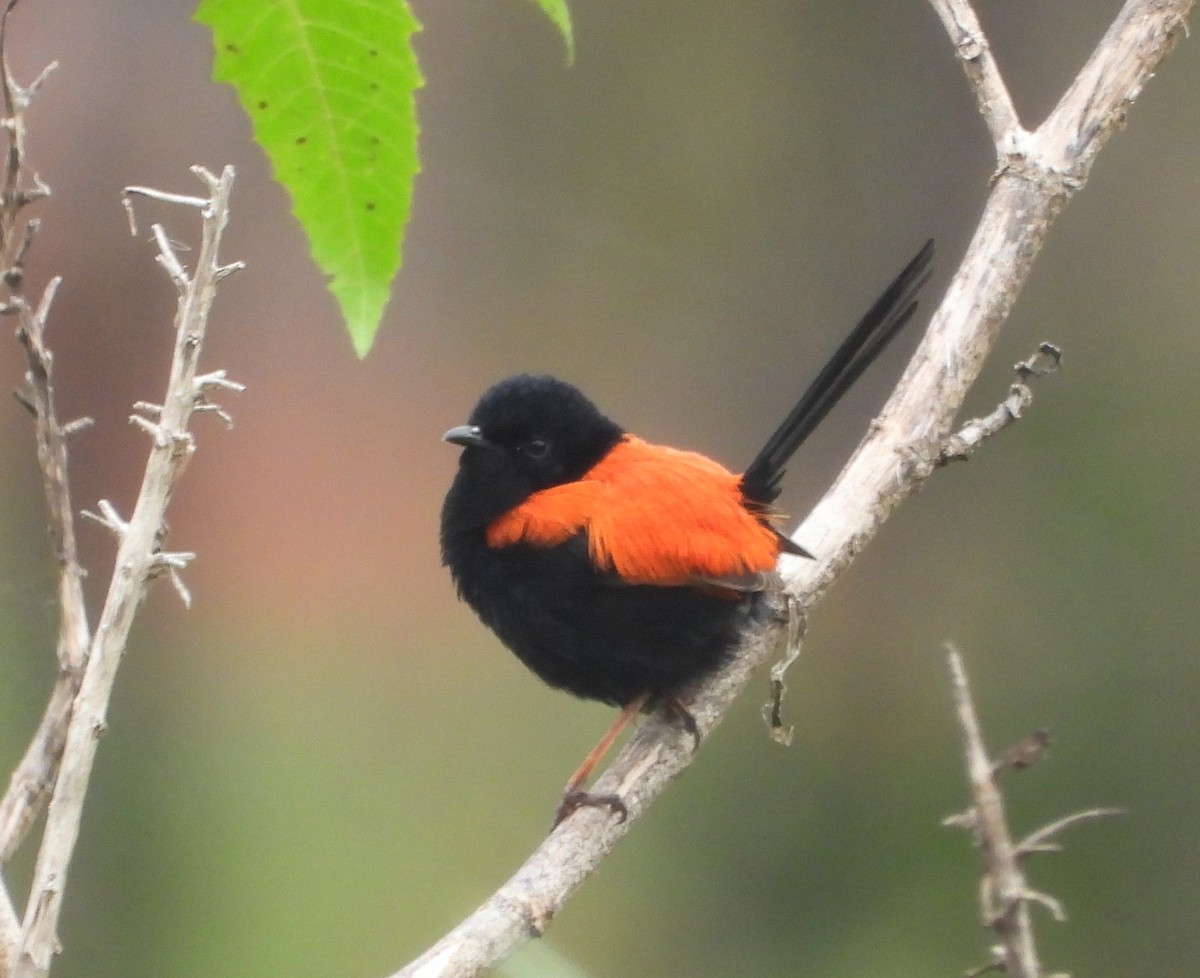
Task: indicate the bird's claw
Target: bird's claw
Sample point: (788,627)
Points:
(577,798)
(678,712)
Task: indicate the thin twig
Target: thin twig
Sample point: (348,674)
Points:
(1005,894)
(139,559)
(1039,840)
(991,93)
(962,444)
(772,711)
(33,776)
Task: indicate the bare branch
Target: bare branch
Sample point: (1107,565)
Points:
(164,196)
(169,260)
(33,777)
(1053,904)
(140,558)
(1099,99)
(971,46)
(107,518)
(1004,894)
(962,444)
(773,710)
(14,197)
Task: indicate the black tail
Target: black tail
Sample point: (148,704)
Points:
(874,331)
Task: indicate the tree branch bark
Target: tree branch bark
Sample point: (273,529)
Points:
(1038,172)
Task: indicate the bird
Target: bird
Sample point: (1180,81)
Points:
(617,569)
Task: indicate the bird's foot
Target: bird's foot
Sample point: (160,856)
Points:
(574,799)
(676,711)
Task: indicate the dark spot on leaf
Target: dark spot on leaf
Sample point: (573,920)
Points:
(233,49)
(373,53)
(301,140)
(262,104)
(370,205)
(374,86)
(374,140)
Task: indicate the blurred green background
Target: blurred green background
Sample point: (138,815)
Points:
(328,761)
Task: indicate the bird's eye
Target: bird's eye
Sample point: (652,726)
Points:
(536,448)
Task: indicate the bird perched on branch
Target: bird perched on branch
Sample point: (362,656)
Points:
(617,569)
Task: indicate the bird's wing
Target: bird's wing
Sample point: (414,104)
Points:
(652,515)
(548,517)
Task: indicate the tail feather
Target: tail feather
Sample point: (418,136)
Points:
(874,331)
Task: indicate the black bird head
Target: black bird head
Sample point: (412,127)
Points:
(526,433)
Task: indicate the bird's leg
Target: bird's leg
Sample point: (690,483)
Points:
(676,709)
(574,796)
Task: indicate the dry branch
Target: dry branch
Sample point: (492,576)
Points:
(963,443)
(33,777)
(140,559)
(1038,171)
(1004,894)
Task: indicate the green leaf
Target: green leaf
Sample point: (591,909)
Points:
(560,14)
(329,87)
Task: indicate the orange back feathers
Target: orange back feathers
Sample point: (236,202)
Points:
(652,515)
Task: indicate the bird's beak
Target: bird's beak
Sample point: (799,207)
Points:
(466,435)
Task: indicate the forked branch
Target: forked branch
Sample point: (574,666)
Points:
(1037,173)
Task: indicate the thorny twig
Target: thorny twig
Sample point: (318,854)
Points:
(33,777)
(1004,894)
(140,558)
